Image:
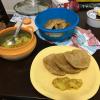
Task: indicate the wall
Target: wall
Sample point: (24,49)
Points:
(8,4)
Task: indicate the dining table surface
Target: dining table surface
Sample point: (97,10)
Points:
(15,75)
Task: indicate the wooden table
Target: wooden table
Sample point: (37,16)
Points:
(15,75)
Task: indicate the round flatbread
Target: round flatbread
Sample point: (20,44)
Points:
(51,66)
(63,64)
(78,58)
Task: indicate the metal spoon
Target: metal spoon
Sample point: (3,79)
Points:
(12,41)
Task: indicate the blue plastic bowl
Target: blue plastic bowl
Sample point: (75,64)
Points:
(57,13)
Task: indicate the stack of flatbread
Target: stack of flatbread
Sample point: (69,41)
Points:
(56,24)
(70,62)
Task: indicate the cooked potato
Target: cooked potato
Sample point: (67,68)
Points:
(66,83)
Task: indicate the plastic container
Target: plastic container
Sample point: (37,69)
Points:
(93,22)
(57,13)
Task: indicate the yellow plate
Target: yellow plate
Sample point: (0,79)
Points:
(41,78)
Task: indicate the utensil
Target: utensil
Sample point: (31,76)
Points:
(12,41)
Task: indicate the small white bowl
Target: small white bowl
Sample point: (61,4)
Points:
(92,21)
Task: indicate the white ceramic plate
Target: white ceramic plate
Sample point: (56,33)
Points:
(41,78)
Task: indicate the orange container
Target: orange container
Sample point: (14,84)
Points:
(21,51)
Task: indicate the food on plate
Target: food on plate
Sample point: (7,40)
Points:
(66,83)
(70,62)
(61,61)
(26,21)
(61,83)
(22,38)
(75,83)
(51,65)
(98,14)
(96,11)
(56,24)
(78,58)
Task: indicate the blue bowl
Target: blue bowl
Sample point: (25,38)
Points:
(57,13)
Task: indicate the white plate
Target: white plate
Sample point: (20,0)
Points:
(41,78)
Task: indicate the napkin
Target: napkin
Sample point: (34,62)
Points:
(86,40)
(82,38)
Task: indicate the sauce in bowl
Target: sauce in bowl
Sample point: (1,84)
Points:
(22,38)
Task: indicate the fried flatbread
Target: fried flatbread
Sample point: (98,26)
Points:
(50,24)
(56,24)
(62,63)
(78,58)
(51,66)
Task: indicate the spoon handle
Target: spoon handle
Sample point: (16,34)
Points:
(18,28)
